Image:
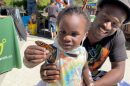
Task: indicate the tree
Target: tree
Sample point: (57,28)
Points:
(42,4)
(9,2)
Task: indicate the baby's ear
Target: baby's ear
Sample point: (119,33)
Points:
(86,34)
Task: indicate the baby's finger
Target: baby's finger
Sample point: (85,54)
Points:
(50,72)
(33,52)
(39,48)
(35,47)
(54,77)
(49,80)
(37,61)
(32,49)
(49,67)
(35,57)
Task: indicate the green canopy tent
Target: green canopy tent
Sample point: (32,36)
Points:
(9,48)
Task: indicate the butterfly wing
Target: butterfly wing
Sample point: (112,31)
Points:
(51,49)
(44,45)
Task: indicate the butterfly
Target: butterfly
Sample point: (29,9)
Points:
(51,48)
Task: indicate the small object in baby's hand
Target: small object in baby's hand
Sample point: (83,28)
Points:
(51,49)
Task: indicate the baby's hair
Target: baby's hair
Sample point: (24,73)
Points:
(66,2)
(73,10)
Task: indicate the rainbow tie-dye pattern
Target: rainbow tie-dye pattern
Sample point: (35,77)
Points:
(70,68)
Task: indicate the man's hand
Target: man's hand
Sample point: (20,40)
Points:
(49,73)
(36,54)
(114,76)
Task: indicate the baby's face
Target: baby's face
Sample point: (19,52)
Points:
(72,29)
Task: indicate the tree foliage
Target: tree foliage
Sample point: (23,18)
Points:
(9,2)
(42,3)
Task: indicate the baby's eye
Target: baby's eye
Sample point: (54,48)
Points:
(114,24)
(74,34)
(106,19)
(62,32)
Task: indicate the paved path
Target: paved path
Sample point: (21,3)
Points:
(30,77)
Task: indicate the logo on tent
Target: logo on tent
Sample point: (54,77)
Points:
(2,46)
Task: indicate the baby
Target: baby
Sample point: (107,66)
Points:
(71,56)
(71,59)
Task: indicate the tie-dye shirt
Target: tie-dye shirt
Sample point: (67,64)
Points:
(70,67)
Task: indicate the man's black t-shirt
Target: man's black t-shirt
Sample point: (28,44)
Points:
(112,47)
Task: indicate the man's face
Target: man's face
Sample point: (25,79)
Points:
(107,21)
(72,29)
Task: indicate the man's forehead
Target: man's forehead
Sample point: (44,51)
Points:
(113,8)
(114,11)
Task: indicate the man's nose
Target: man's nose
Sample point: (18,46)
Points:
(108,25)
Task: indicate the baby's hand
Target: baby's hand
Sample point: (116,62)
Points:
(36,54)
(49,73)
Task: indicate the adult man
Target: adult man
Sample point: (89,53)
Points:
(105,39)
(52,11)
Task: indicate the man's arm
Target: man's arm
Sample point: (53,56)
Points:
(117,57)
(113,76)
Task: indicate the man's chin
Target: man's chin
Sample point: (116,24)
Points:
(99,37)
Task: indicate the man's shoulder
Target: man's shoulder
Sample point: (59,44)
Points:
(119,32)
(116,38)
(119,35)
